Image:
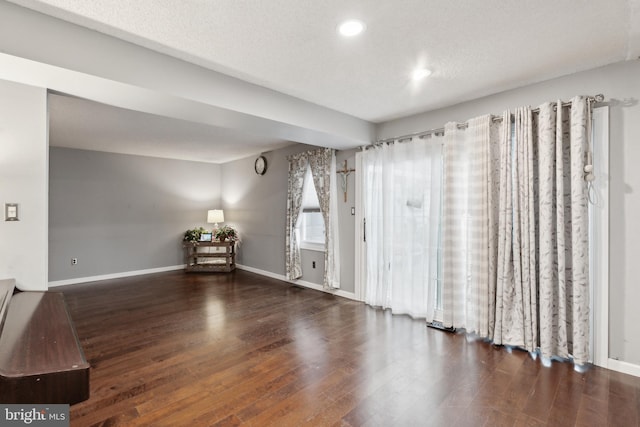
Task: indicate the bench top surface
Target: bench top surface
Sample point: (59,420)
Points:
(6,290)
(38,336)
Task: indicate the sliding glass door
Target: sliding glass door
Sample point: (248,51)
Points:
(399,192)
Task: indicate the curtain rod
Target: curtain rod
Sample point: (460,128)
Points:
(440,131)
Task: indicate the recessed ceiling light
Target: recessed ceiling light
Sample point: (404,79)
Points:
(420,73)
(351,28)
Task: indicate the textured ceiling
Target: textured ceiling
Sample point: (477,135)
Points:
(474,48)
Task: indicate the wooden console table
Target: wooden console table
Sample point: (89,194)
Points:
(200,257)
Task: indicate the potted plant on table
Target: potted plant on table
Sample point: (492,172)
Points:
(193,235)
(226,232)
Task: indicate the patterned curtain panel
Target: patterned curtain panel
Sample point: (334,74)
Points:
(323,170)
(564,245)
(516,289)
(297,168)
(515,200)
(322,163)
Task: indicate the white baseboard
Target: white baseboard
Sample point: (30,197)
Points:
(624,367)
(114,276)
(314,286)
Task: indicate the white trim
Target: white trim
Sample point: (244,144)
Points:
(312,246)
(360,246)
(114,275)
(314,286)
(600,232)
(624,367)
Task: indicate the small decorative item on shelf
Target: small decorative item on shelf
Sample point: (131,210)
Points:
(193,235)
(226,232)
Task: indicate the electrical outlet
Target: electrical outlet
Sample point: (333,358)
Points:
(74,261)
(313,264)
(353,210)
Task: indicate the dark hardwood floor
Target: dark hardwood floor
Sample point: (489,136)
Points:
(178,349)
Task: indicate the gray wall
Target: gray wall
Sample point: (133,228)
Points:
(347,221)
(257,206)
(119,213)
(620,83)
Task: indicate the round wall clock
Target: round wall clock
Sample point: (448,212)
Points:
(261,165)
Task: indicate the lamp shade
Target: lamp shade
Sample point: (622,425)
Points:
(215,216)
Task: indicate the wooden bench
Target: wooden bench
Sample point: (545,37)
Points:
(41,359)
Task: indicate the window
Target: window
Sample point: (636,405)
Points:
(310,227)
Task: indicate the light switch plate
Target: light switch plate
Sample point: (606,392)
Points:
(11,212)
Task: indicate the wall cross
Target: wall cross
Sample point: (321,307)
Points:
(344,174)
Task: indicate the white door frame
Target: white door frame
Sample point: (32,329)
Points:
(599,230)
(360,245)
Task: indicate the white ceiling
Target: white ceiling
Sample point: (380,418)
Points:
(475,48)
(79,123)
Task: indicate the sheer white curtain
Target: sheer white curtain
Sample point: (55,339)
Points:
(402,190)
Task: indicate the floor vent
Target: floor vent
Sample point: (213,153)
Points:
(439,325)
